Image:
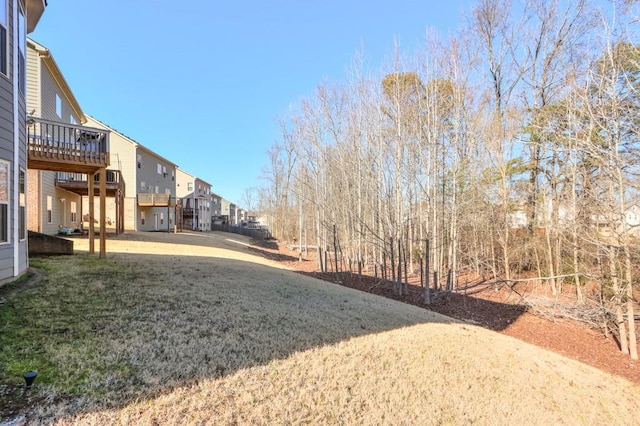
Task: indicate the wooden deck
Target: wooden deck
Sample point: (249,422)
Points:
(156,200)
(66,147)
(78,183)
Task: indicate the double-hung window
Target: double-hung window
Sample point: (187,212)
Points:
(49,209)
(74,211)
(22,208)
(4,201)
(4,31)
(22,49)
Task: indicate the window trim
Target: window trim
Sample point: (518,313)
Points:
(22,205)
(5,26)
(73,208)
(49,209)
(7,202)
(58,106)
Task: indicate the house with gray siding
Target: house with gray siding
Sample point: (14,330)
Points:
(194,195)
(17,18)
(216,209)
(149,202)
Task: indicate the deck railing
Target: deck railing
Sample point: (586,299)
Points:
(62,142)
(154,199)
(113,177)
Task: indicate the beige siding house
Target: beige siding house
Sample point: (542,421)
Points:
(229,212)
(50,207)
(150,183)
(195,197)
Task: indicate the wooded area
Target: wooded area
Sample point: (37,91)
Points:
(507,152)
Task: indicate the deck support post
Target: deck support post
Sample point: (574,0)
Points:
(103,212)
(90,178)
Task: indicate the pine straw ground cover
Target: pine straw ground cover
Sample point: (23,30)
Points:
(194,329)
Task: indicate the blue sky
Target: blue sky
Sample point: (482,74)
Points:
(203,83)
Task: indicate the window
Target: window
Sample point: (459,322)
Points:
(157,190)
(22,208)
(4,46)
(143,185)
(74,211)
(161,218)
(159,168)
(189,186)
(164,171)
(173,175)
(58,106)
(143,216)
(49,209)
(72,119)
(4,202)
(167,191)
(22,51)
(139,160)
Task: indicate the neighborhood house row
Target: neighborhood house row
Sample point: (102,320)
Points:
(147,192)
(50,150)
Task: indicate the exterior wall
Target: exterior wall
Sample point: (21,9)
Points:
(154,175)
(182,183)
(215,205)
(203,196)
(233,219)
(155,179)
(225,211)
(122,156)
(14,252)
(139,168)
(33,82)
(156,218)
(43,103)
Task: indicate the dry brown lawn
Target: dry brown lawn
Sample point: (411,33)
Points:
(195,329)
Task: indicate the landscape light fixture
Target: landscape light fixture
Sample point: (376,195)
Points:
(29,377)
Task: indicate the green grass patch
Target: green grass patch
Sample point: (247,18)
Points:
(55,327)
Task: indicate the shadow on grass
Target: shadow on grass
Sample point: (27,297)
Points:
(138,325)
(462,305)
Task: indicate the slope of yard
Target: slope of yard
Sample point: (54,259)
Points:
(193,328)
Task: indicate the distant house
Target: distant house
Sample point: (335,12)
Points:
(241,215)
(228,212)
(632,219)
(195,197)
(216,209)
(149,202)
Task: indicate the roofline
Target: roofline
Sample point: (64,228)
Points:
(135,143)
(35,9)
(149,150)
(193,176)
(52,66)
